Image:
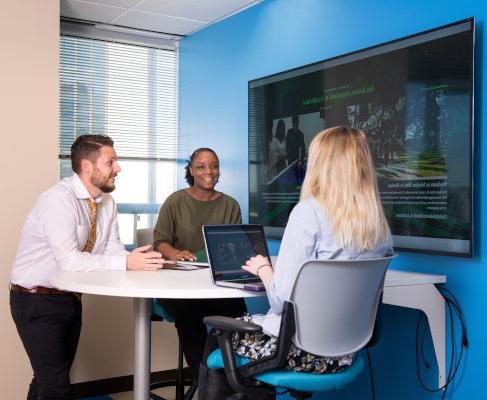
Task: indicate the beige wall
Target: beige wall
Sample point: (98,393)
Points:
(29,82)
(29,32)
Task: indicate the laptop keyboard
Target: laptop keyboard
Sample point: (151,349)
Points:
(246,280)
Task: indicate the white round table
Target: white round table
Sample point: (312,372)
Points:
(143,286)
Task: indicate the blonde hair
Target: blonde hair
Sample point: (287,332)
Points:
(341,178)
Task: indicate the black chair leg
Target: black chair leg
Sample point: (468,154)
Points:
(182,382)
(300,395)
(179,383)
(191,391)
(153,396)
(158,385)
(180,375)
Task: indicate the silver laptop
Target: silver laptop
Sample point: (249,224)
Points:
(228,248)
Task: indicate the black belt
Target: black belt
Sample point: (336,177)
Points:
(41,290)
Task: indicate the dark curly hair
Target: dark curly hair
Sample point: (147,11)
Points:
(189,178)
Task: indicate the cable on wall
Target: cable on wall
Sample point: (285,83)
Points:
(457,349)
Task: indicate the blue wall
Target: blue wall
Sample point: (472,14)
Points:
(216,64)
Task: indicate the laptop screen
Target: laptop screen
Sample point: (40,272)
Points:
(230,246)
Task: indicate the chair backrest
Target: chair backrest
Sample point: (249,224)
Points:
(335,304)
(144,236)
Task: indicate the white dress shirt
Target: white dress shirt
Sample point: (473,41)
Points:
(56,231)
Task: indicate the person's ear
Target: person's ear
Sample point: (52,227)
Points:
(86,166)
(191,170)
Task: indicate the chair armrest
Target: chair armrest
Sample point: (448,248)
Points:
(236,376)
(231,324)
(278,359)
(224,330)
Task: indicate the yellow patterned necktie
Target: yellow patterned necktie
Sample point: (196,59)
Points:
(92,233)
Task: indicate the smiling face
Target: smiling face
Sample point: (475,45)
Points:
(205,170)
(105,169)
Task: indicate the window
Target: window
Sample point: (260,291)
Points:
(129,93)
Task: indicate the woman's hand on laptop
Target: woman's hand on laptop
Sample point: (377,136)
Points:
(259,266)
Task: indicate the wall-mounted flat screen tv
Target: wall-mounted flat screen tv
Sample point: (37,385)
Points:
(413,97)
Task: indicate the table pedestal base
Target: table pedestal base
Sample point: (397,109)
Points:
(142,328)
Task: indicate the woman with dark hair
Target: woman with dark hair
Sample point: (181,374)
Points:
(178,236)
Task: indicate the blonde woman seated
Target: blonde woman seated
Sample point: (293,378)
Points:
(339,216)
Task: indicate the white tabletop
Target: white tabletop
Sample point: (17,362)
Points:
(168,284)
(396,277)
(171,284)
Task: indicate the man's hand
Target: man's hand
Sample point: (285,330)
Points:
(144,259)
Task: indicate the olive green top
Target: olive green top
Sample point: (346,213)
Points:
(182,216)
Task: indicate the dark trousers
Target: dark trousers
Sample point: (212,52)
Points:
(213,384)
(188,317)
(49,327)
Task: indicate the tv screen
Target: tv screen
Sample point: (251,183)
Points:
(413,98)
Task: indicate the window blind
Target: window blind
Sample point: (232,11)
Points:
(125,91)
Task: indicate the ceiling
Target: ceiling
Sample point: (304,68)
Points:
(175,17)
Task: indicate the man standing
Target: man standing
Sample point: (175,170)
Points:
(72,227)
(295,147)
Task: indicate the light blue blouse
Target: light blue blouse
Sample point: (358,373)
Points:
(308,236)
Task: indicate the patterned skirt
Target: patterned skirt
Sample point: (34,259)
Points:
(257,345)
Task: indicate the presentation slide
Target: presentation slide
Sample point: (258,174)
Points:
(418,125)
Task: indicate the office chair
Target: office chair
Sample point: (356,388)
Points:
(143,237)
(331,312)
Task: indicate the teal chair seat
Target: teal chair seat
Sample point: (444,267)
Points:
(158,310)
(300,381)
